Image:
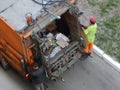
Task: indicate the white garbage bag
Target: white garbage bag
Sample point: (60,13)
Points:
(62,40)
(60,35)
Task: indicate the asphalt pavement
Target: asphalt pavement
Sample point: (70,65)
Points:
(91,74)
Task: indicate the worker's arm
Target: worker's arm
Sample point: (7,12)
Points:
(23,65)
(86,31)
(38,72)
(85,27)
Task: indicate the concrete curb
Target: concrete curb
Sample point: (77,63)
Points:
(107,58)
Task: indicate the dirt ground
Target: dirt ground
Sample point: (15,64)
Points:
(107,13)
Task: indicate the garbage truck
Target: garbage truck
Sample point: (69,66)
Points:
(46,32)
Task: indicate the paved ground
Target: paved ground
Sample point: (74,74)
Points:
(91,74)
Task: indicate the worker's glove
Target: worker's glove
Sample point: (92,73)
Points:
(85,27)
(27,76)
(82,25)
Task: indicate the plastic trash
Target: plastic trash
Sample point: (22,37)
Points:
(55,51)
(62,43)
(62,40)
(60,35)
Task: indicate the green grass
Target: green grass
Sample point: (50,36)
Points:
(92,2)
(112,23)
(104,6)
(109,41)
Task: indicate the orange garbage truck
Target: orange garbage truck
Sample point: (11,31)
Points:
(48,33)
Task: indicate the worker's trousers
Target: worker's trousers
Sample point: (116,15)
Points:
(89,48)
(39,86)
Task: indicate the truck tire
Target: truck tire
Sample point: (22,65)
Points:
(4,63)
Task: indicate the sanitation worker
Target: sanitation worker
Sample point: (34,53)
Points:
(90,32)
(38,76)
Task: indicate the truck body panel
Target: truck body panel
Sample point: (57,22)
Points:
(11,45)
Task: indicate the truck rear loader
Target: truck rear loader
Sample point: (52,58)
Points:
(23,38)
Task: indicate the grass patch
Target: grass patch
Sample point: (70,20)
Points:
(112,23)
(92,2)
(104,5)
(109,41)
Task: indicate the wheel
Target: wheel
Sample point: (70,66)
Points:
(4,63)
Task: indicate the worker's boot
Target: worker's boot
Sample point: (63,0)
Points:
(46,86)
(90,54)
(84,56)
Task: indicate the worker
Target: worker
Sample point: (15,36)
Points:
(72,1)
(90,32)
(38,77)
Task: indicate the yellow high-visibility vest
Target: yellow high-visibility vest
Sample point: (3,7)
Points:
(90,32)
